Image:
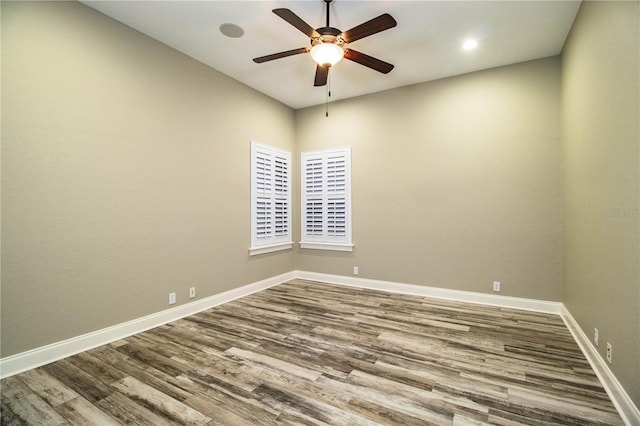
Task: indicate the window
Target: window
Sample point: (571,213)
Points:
(326,200)
(270,199)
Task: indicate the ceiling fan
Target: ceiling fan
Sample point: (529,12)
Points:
(329,45)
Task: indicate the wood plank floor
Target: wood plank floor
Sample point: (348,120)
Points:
(314,354)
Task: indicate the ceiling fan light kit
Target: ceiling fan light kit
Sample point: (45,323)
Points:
(327,54)
(328,44)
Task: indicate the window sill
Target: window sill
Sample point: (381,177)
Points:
(254,251)
(326,246)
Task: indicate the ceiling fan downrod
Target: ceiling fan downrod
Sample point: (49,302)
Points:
(328,2)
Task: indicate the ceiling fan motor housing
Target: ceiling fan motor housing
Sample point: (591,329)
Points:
(328,35)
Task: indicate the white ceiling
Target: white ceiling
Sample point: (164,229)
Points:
(426,44)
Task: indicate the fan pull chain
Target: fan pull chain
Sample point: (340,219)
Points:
(328,95)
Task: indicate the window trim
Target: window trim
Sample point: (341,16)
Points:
(272,243)
(325,246)
(253,251)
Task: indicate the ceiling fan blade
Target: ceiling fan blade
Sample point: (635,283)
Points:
(279,55)
(375,25)
(368,61)
(296,21)
(322,73)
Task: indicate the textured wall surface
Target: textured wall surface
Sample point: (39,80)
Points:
(125,174)
(601,116)
(456,182)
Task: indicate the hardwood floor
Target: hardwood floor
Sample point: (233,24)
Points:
(313,353)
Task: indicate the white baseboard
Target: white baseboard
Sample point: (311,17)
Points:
(623,403)
(24,361)
(436,292)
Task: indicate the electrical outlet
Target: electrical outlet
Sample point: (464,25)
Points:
(609,350)
(192,292)
(595,336)
(172,298)
(496,286)
(356,271)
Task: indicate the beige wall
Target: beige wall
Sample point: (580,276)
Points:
(456,182)
(125,174)
(601,114)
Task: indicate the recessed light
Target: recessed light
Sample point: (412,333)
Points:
(470,44)
(231,30)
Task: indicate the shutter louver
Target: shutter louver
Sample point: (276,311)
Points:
(281,215)
(313,217)
(336,174)
(281,191)
(336,217)
(281,175)
(263,222)
(313,181)
(263,172)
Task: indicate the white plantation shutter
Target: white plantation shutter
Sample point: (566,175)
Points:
(326,200)
(270,199)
